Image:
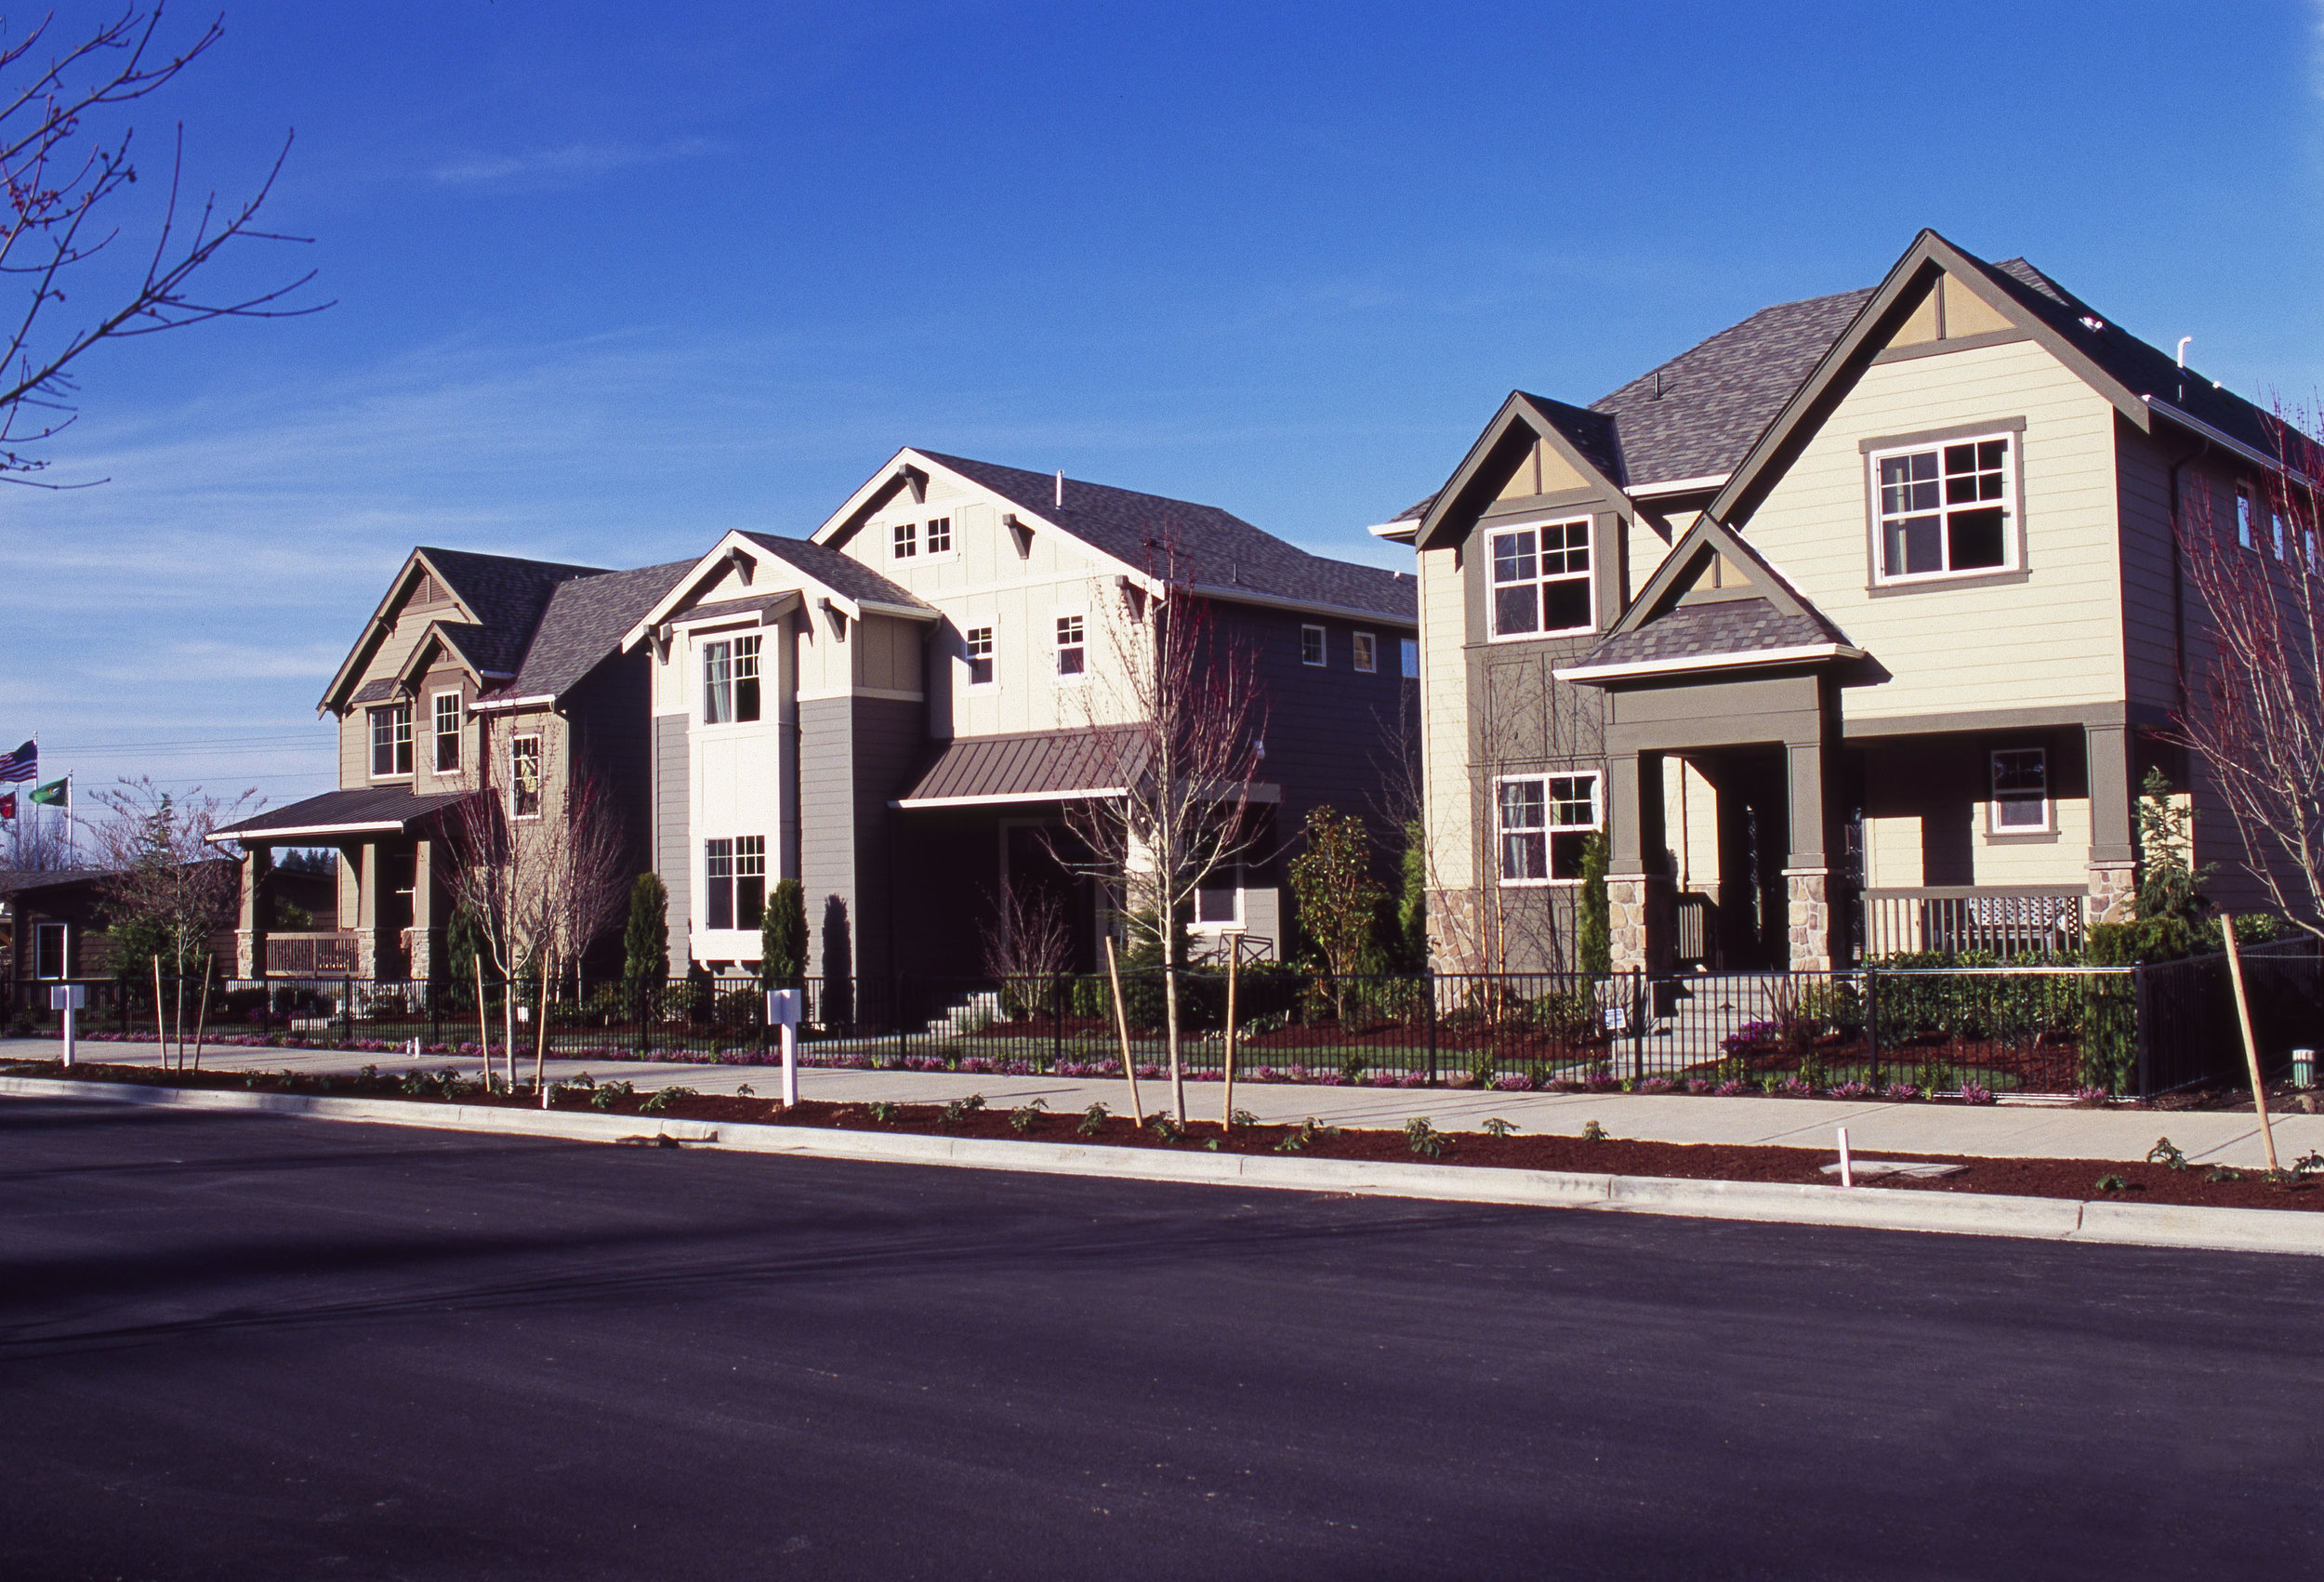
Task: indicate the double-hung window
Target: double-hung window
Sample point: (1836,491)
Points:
(730,681)
(1541,579)
(1311,645)
(1544,820)
(1073,650)
(2021,791)
(978,645)
(448,733)
(524,777)
(1945,510)
(736,871)
(907,541)
(392,741)
(1366,650)
(2243,516)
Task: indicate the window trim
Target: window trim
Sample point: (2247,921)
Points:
(734,856)
(1322,650)
(1550,827)
(969,656)
(903,540)
(459,750)
(541,778)
(1363,652)
(2247,533)
(63,936)
(951,551)
(2014,536)
(1588,578)
(400,748)
(1993,825)
(1058,646)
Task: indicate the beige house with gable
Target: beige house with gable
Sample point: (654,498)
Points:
(1850,628)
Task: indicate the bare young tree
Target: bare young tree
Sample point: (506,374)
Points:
(1179,722)
(2253,713)
(540,864)
(66,157)
(170,888)
(1027,944)
(39,842)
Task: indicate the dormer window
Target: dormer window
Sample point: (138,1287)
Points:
(391,742)
(1542,580)
(906,543)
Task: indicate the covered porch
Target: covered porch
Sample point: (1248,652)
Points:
(389,916)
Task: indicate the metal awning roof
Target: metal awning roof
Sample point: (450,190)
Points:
(1032,766)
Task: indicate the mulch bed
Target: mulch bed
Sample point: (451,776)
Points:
(2025,1178)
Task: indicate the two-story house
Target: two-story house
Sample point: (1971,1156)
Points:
(467,655)
(1851,628)
(897,709)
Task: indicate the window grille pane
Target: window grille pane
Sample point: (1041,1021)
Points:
(1513,557)
(1516,610)
(906,543)
(718,683)
(980,655)
(1566,605)
(1977,539)
(745,678)
(940,536)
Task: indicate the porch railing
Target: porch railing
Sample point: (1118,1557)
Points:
(330,955)
(2005,922)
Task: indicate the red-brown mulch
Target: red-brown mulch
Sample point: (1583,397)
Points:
(1687,1161)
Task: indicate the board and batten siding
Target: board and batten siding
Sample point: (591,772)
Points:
(2054,639)
(673,831)
(1444,720)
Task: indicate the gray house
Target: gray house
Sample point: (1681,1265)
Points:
(897,709)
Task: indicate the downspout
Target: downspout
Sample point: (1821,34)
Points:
(2178,567)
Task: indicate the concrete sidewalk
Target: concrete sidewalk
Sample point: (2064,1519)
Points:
(1998,1131)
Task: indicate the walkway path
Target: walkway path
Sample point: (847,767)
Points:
(2007,1130)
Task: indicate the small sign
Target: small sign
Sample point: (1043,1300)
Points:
(782,1008)
(68,997)
(1618,1019)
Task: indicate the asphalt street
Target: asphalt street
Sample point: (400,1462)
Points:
(240,1346)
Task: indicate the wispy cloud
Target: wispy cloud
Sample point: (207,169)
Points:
(569,166)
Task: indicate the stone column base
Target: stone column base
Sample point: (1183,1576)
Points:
(1809,896)
(2113,892)
(249,953)
(1626,920)
(427,948)
(1456,931)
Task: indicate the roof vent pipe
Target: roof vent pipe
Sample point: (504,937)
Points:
(2182,346)
(1061,488)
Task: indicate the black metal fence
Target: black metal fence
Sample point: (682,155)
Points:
(2031,1028)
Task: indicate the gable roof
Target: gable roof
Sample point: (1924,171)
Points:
(498,598)
(584,624)
(1585,439)
(842,574)
(1211,551)
(849,585)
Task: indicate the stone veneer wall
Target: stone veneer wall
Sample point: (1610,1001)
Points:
(1809,897)
(2113,893)
(1626,906)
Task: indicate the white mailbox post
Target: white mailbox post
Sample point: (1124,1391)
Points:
(68,998)
(782,1008)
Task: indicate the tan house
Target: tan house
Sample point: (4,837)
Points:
(1850,628)
(468,656)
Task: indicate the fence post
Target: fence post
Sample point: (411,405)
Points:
(435,1014)
(1638,1023)
(1428,1014)
(347,1010)
(2138,1011)
(1056,1022)
(1872,1024)
(895,1009)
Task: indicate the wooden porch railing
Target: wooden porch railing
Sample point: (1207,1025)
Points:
(2005,921)
(330,955)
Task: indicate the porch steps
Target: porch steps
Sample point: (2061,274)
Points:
(967,1015)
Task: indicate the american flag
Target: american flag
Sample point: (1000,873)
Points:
(21,764)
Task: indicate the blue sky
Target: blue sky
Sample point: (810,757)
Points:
(612,279)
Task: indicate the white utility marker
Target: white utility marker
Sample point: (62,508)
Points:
(783,1014)
(68,998)
(1847,1175)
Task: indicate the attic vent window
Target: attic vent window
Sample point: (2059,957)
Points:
(430,591)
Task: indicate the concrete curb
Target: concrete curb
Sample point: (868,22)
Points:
(2040,1219)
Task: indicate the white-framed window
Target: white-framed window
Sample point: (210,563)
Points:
(1543,821)
(736,872)
(392,741)
(1365,648)
(1411,647)
(50,947)
(2021,791)
(2243,516)
(1219,900)
(1072,646)
(730,681)
(977,645)
(448,733)
(1311,645)
(2279,535)
(940,536)
(1541,579)
(524,777)
(1945,509)
(906,542)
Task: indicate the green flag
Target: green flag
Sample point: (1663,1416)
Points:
(55,794)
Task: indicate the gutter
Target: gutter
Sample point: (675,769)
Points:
(1801,654)
(1234,594)
(507,705)
(2229,441)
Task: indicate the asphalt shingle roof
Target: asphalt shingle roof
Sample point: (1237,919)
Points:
(584,621)
(1691,631)
(841,572)
(1198,543)
(506,594)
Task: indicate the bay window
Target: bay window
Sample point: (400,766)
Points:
(730,681)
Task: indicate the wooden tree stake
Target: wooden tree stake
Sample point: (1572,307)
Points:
(1234,957)
(161,1029)
(202,1022)
(483,1028)
(2250,1045)
(1121,1025)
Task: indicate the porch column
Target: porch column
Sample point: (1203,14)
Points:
(424,939)
(1637,882)
(250,927)
(371,881)
(2113,852)
(1807,869)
